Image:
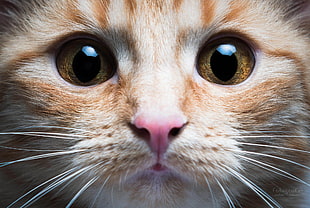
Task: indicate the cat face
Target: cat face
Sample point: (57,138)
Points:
(154,103)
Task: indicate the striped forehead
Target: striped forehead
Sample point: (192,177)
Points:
(153,25)
(129,13)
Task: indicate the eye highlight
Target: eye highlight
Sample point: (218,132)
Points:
(226,61)
(84,62)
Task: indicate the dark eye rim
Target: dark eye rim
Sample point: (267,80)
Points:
(249,41)
(59,44)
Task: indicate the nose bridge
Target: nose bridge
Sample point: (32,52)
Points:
(159,91)
(157,80)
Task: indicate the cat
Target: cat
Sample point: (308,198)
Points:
(166,104)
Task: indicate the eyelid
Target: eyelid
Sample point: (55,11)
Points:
(249,40)
(56,45)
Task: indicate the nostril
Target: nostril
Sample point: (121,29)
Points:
(140,132)
(175,132)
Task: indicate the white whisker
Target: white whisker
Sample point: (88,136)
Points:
(211,191)
(274,136)
(260,192)
(73,179)
(281,172)
(228,199)
(68,182)
(126,175)
(273,156)
(81,191)
(47,135)
(258,133)
(62,175)
(41,156)
(100,191)
(31,150)
(273,146)
(52,127)
(54,185)
(265,131)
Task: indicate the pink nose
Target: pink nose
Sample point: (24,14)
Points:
(160,129)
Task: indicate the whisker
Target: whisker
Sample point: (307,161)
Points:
(41,156)
(112,197)
(54,185)
(274,136)
(273,146)
(265,131)
(68,182)
(283,173)
(273,156)
(30,150)
(73,179)
(258,133)
(47,135)
(211,191)
(82,190)
(62,175)
(123,178)
(52,127)
(228,199)
(100,191)
(260,192)
(266,134)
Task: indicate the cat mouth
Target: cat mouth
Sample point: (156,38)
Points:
(158,167)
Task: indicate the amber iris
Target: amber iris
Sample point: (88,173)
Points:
(226,61)
(85,62)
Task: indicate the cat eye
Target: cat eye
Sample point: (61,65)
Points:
(85,62)
(226,61)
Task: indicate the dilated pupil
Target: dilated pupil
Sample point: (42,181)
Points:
(86,64)
(224,63)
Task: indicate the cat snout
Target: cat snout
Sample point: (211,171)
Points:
(159,130)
